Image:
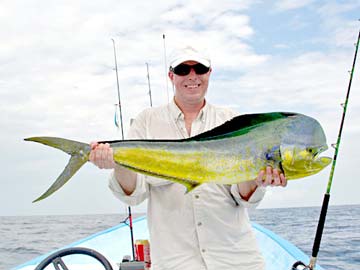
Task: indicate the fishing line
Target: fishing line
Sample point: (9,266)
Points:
(321,223)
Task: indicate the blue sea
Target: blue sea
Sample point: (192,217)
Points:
(26,237)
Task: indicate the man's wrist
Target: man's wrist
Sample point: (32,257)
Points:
(246,189)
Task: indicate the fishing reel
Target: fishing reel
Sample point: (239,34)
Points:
(299,265)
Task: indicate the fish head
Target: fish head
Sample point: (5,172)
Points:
(301,161)
(301,148)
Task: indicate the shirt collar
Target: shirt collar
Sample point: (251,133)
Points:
(177,114)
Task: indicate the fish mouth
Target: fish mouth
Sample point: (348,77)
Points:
(299,162)
(323,161)
(318,150)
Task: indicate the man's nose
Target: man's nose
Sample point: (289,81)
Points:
(192,72)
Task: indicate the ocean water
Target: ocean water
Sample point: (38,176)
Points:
(26,237)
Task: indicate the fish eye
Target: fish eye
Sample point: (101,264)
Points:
(312,151)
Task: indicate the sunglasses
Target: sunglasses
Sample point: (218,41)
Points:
(184,69)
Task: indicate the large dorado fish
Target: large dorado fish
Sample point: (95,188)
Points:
(231,153)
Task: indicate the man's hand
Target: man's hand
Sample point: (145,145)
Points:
(270,177)
(102,155)
(267,177)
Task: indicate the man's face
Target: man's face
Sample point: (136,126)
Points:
(191,88)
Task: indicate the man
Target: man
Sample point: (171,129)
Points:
(207,228)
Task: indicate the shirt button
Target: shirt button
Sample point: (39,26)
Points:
(197,196)
(203,250)
(199,224)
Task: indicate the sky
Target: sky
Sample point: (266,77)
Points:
(57,78)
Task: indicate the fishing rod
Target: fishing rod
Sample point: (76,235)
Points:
(148,78)
(118,90)
(324,208)
(166,69)
(129,217)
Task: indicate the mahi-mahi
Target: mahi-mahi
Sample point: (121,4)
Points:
(233,152)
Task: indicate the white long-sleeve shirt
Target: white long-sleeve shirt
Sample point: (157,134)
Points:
(207,228)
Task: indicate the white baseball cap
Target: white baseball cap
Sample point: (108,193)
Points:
(189,53)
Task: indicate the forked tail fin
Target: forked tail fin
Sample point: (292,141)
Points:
(79,156)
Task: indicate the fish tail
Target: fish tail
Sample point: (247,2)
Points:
(79,156)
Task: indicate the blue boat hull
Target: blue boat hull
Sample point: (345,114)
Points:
(115,242)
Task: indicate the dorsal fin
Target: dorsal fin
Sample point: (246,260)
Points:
(240,125)
(236,126)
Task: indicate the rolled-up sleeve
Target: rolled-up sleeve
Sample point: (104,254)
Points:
(253,201)
(139,194)
(137,131)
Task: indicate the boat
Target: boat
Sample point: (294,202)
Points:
(115,243)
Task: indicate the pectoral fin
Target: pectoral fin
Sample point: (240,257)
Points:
(190,186)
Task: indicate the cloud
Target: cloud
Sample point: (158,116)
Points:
(343,20)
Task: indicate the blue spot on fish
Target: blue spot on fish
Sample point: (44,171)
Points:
(272,153)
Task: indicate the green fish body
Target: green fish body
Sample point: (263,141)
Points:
(231,153)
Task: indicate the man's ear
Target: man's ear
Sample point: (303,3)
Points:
(171,75)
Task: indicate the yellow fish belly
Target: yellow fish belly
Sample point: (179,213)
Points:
(194,166)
